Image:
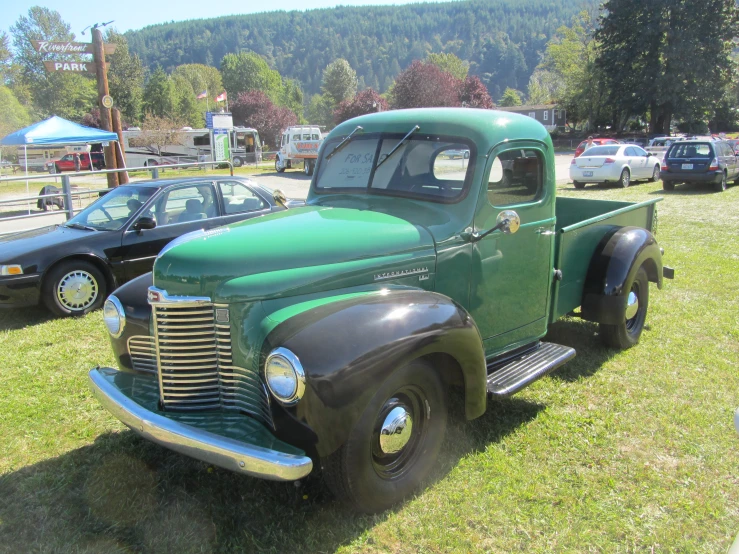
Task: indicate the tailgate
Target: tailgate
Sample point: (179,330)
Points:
(578,239)
(687,165)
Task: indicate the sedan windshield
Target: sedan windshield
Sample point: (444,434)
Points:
(601,151)
(113,210)
(423,166)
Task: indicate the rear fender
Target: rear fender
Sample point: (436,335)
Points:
(617,258)
(349,347)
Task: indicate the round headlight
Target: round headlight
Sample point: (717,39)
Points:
(284,375)
(114,316)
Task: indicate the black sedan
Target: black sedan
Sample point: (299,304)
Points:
(71,268)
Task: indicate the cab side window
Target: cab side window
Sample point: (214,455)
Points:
(516,177)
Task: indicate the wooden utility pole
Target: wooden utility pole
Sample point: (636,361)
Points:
(98,54)
(118,129)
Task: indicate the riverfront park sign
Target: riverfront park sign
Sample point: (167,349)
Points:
(48,47)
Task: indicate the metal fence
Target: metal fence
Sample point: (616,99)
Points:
(65,199)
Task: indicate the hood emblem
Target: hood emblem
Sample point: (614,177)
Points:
(222,315)
(400,273)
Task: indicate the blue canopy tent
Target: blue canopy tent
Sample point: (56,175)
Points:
(55,131)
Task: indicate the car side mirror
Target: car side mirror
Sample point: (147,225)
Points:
(279,197)
(144,223)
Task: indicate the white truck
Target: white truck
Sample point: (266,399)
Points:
(299,144)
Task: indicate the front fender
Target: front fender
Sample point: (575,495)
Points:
(349,347)
(618,257)
(133,297)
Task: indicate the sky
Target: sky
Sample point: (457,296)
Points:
(135,14)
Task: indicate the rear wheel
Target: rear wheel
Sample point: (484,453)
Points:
(238,162)
(720,186)
(626,334)
(625,178)
(394,444)
(655,174)
(307,168)
(74,288)
(578,184)
(668,185)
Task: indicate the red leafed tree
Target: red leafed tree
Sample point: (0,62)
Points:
(473,94)
(254,109)
(92,119)
(424,85)
(367,101)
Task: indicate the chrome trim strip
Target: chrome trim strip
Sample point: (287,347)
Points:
(202,445)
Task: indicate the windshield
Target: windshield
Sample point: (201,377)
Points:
(601,151)
(428,167)
(113,210)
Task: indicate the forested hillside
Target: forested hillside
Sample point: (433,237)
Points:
(502,39)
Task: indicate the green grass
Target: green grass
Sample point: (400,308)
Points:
(629,451)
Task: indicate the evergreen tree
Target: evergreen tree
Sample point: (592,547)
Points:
(68,95)
(668,58)
(159,97)
(125,78)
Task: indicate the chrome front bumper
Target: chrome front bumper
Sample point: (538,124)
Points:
(188,440)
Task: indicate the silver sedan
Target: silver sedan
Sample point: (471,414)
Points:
(617,163)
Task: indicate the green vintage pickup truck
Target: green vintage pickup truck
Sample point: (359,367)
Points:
(327,337)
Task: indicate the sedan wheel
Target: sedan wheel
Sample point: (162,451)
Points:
(655,174)
(578,184)
(74,288)
(625,178)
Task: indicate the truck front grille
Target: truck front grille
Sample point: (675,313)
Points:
(195,364)
(143,353)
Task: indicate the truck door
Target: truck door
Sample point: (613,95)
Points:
(512,273)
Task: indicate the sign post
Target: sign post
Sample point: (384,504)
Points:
(98,54)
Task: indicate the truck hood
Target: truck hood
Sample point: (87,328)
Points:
(297,251)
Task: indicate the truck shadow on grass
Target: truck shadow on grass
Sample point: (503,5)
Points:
(124,494)
(583,337)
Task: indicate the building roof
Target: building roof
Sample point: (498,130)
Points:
(529,108)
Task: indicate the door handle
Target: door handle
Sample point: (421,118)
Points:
(544,231)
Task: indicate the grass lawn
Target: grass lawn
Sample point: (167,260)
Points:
(629,451)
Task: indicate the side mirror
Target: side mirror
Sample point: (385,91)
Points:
(144,223)
(279,197)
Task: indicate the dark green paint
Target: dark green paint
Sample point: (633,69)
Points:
(276,267)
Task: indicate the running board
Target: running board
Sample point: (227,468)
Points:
(530,366)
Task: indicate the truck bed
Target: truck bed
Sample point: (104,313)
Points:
(581,224)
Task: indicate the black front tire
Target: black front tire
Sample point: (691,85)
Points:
(73,288)
(363,476)
(278,167)
(578,184)
(626,334)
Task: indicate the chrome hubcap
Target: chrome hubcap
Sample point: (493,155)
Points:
(396,431)
(77,290)
(632,305)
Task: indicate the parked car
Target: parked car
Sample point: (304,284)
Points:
(66,162)
(329,337)
(700,161)
(71,268)
(620,164)
(596,142)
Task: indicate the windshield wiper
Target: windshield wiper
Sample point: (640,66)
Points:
(416,128)
(80,226)
(343,142)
